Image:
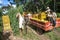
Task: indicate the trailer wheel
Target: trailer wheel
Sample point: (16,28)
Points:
(40,31)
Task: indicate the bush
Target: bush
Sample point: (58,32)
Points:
(58,14)
(14,21)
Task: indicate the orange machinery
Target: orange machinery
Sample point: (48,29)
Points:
(39,21)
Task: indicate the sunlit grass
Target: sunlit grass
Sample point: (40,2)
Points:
(30,35)
(52,36)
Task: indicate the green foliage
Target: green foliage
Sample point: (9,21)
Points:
(0,12)
(20,9)
(33,6)
(14,21)
(1,20)
(17,2)
(1,27)
(30,6)
(1,24)
(44,4)
(58,14)
(39,5)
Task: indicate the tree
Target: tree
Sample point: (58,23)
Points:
(0,12)
(34,5)
(37,5)
(17,2)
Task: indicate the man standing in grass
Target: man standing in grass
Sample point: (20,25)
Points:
(21,20)
(20,17)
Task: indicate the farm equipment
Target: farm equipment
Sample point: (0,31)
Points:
(40,21)
(6,24)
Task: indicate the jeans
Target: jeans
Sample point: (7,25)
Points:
(52,21)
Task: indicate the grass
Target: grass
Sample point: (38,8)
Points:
(58,29)
(53,36)
(30,35)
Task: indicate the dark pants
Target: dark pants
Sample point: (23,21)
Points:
(52,21)
(26,23)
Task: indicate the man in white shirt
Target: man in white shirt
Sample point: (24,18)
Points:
(52,17)
(21,21)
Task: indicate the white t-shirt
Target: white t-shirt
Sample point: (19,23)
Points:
(48,10)
(54,15)
(21,21)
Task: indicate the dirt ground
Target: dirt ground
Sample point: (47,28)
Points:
(40,36)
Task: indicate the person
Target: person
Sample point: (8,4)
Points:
(52,17)
(21,21)
(26,21)
(48,10)
(29,16)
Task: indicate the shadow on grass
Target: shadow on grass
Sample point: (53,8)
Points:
(37,29)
